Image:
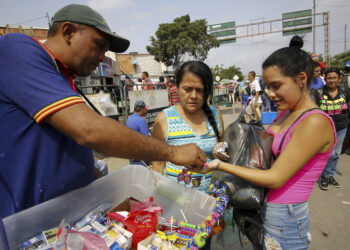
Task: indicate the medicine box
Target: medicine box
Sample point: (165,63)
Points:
(131,181)
(268,117)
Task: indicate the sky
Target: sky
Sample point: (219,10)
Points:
(138,20)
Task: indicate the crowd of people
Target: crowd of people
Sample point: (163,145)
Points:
(40,107)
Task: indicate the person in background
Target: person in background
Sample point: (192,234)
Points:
(47,130)
(236,91)
(345,81)
(255,102)
(167,82)
(231,92)
(173,93)
(138,87)
(335,101)
(191,120)
(146,80)
(317,82)
(323,69)
(138,123)
(309,142)
(160,84)
(245,96)
(345,84)
(266,104)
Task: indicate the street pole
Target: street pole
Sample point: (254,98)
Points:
(48,19)
(313,29)
(345,38)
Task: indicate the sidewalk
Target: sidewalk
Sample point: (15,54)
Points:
(330,210)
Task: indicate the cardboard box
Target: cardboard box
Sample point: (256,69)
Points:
(130,181)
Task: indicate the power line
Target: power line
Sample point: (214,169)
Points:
(30,20)
(329,5)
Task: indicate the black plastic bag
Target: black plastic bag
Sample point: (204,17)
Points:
(251,225)
(248,146)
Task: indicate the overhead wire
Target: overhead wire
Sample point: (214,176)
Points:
(30,20)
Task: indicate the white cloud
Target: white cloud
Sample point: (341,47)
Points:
(168,8)
(130,31)
(141,16)
(109,5)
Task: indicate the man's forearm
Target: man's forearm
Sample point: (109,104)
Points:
(117,140)
(107,136)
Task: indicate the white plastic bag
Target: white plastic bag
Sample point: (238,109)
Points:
(106,104)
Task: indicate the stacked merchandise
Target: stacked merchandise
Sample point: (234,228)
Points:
(142,227)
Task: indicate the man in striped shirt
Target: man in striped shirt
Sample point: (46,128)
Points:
(173,94)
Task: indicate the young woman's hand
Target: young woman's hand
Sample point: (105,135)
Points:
(213,165)
(208,167)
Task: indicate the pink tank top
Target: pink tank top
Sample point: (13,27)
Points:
(299,187)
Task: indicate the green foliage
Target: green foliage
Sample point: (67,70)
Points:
(340,59)
(228,73)
(320,58)
(180,40)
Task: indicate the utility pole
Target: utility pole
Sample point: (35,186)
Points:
(313,29)
(48,19)
(345,38)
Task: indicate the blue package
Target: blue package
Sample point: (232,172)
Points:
(116,246)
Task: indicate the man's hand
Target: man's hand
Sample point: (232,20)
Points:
(189,155)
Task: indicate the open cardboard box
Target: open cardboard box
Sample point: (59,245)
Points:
(114,189)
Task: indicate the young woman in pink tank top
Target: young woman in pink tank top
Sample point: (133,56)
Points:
(307,146)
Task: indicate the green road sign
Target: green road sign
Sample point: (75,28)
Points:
(297,22)
(297,31)
(296,14)
(221,26)
(224,33)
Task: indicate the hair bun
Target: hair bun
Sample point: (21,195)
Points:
(296,42)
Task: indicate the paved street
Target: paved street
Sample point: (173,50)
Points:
(330,210)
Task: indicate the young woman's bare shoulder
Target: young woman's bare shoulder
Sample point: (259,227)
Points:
(317,121)
(316,127)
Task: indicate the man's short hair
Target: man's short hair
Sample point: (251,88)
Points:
(315,64)
(145,73)
(54,28)
(138,109)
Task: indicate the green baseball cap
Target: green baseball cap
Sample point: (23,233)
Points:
(83,14)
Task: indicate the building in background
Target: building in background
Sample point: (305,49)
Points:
(133,64)
(38,33)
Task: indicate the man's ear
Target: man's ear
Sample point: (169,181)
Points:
(68,30)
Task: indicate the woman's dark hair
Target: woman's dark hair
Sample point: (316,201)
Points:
(316,64)
(332,69)
(201,70)
(292,60)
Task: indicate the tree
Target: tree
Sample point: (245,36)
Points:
(228,73)
(180,40)
(340,59)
